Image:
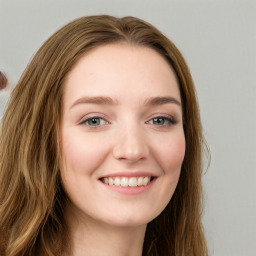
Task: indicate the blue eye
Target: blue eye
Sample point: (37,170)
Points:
(161,121)
(94,121)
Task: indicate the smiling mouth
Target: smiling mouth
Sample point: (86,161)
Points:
(127,181)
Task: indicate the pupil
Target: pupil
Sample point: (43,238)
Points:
(94,121)
(158,120)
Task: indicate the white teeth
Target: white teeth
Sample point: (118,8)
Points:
(110,181)
(125,181)
(145,181)
(133,182)
(140,180)
(117,182)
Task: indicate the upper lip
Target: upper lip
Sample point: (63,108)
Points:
(129,174)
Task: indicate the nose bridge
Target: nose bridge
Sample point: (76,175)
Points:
(131,143)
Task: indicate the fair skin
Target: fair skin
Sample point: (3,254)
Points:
(122,123)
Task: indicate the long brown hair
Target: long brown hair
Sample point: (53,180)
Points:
(31,195)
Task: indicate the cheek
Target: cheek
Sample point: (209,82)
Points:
(173,154)
(177,151)
(170,158)
(80,154)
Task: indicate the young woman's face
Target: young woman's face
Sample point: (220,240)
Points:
(122,135)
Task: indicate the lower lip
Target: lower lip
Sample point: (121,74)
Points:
(130,190)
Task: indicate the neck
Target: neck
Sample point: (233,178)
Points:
(90,237)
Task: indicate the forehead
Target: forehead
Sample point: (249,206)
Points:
(116,69)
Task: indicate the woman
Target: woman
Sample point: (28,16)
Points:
(101,147)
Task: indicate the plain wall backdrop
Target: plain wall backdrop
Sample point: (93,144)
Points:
(218,40)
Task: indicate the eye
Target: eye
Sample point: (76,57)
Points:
(159,121)
(94,121)
(162,121)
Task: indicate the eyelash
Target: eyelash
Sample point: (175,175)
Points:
(85,122)
(170,121)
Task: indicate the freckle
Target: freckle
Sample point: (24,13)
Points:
(3,81)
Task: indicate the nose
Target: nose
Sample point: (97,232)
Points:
(130,145)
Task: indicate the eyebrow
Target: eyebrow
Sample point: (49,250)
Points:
(103,100)
(154,101)
(99,100)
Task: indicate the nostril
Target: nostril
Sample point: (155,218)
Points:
(130,151)
(3,81)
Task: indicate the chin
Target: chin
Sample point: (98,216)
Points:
(130,219)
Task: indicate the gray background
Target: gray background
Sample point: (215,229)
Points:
(218,40)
